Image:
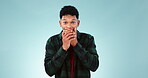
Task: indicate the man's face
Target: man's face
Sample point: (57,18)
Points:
(69,22)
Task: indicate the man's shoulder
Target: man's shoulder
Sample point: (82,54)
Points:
(85,35)
(53,37)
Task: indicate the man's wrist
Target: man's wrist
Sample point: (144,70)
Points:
(74,44)
(64,48)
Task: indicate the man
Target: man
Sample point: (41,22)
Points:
(70,54)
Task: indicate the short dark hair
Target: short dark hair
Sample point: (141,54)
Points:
(69,10)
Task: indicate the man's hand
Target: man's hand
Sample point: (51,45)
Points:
(69,37)
(74,41)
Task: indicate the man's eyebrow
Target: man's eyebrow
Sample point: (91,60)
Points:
(74,19)
(63,19)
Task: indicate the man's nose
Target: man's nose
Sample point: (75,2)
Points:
(69,26)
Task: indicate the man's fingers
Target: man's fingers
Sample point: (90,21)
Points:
(75,30)
(63,34)
(68,31)
(71,38)
(70,34)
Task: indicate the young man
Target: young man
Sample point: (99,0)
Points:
(70,54)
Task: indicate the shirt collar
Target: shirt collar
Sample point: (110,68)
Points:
(78,34)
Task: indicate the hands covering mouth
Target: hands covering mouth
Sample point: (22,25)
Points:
(69,37)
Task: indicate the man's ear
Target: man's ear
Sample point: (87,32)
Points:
(78,22)
(60,23)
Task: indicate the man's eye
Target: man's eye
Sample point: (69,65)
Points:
(64,22)
(73,22)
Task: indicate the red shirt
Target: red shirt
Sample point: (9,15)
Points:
(71,63)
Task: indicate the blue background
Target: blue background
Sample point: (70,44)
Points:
(119,27)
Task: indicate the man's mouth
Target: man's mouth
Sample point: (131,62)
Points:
(71,30)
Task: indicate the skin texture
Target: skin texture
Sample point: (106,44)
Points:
(69,25)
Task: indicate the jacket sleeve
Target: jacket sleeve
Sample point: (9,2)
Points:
(88,55)
(53,59)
